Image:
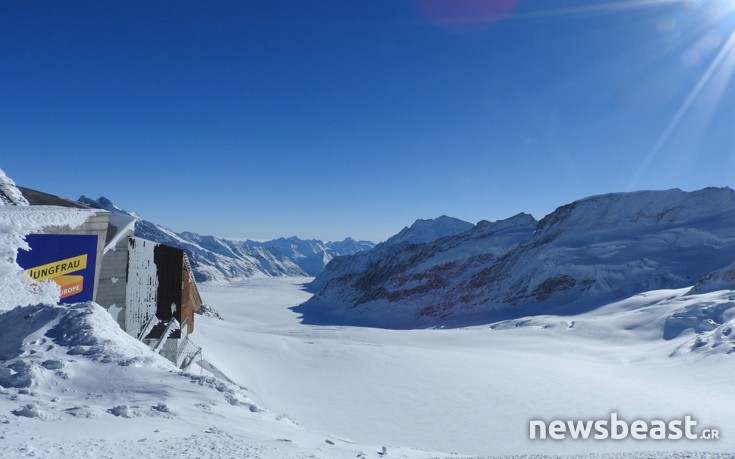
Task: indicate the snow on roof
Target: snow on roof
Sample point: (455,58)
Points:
(9,193)
(124,225)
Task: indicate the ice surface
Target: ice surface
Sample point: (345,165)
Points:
(75,385)
(472,390)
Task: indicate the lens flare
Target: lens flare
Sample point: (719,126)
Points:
(716,37)
(715,79)
(465,15)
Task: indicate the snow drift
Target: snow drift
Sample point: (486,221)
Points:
(73,384)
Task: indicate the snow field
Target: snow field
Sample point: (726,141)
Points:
(471,390)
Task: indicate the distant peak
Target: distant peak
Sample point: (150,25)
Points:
(102,203)
(106,202)
(443,219)
(521,219)
(429,230)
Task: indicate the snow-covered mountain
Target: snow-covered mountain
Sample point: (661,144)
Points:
(73,384)
(421,232)
(217,259)
(592,251)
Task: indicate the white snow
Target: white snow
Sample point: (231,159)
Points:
(124,225)
(423,231)
(581,256)
(9,193)
(73,384)
(471,390)
(221,260)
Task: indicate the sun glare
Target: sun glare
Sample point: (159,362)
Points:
(714,44)
(709,45)
(715,78)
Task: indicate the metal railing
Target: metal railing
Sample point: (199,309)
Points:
(181,351)
(188,352)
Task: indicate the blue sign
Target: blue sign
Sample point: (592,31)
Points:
(67,259)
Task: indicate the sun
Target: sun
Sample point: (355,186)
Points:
(709,45)
(723,7)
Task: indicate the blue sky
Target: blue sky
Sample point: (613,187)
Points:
(338,118)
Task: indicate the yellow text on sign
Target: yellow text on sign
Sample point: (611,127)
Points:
(58,268)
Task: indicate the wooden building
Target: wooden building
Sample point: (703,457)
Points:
(162,298)
(147,287)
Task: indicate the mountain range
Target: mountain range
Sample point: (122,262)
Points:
(219,260)
(591,252)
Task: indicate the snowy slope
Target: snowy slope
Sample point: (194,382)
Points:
(473,390)
(582,255)
(218,259)
(72,384)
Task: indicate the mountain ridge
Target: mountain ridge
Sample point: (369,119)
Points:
(219,260)
(591,251)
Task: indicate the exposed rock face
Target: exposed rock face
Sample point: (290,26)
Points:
(581,255)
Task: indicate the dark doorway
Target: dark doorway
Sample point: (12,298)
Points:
(169,265)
